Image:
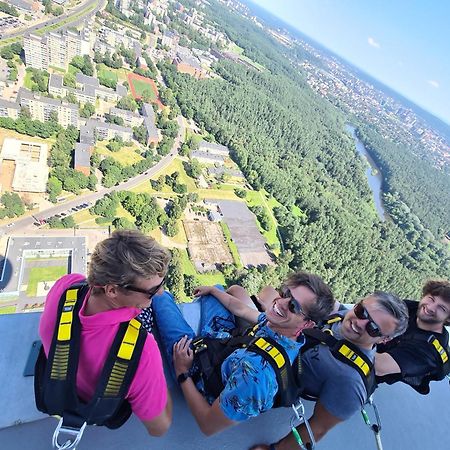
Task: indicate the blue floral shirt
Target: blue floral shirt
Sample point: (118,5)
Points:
(250,381)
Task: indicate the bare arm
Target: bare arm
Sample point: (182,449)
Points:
(385,364)
(160,424)
(321,422)
(210,418)
(233,304)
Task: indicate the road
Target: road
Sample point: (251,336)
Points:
(100,5)
(26,223)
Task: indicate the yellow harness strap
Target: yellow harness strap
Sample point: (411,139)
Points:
(271,351)
(61,358)
(124,355)
(354,358)
(443,354)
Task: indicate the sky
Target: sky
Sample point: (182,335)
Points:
(403,43)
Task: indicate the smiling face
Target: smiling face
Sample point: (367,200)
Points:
(354,329)
(433,311)
(283,319)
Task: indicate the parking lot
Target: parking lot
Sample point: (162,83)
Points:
(40,221)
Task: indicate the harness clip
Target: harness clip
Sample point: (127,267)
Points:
(74,436)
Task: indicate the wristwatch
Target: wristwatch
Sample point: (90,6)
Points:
(183,377)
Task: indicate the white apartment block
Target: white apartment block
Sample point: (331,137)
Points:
(41,108)
(9,109)
(55,49)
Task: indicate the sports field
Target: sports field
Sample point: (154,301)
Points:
(44,275)
(139,84)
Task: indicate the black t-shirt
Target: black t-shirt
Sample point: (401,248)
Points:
(411,351)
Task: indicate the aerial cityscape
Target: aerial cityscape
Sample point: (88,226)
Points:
(194,190)
(96,134)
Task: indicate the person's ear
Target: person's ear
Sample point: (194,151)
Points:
(111,290)
(385,339)
(307,324)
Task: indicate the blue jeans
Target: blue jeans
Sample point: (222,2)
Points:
(215,321)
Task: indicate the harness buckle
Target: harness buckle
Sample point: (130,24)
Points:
(74,436)
(299,417)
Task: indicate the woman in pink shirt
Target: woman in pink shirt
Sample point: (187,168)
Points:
(126,270)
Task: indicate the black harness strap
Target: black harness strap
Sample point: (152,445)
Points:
(347,353)
(55,378)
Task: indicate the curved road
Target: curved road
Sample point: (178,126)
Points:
(100,5)
(26,223)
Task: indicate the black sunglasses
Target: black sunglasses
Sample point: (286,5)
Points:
(294,305)
(372,328)
(150,292)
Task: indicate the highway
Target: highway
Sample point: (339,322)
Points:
(100,5)
(26,224)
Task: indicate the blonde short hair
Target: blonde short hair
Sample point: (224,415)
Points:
(125,256)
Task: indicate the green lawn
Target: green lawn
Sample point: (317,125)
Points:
(205,279)
(73,70)
(231,245)
(28,82)
(38,274)
(258,198)
(125,156)
(7,309)
(140,86)
(105,73)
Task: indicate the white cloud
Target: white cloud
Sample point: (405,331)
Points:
(373,43)
(433,83)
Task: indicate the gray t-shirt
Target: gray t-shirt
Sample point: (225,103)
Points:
(338,386)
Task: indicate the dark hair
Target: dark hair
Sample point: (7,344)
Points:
(438,288)
(325,301)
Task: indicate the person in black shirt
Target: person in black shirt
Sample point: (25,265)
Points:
(421,354)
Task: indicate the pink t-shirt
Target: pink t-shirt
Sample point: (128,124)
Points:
(147,394)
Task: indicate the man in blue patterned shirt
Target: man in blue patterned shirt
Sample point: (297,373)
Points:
(250,383)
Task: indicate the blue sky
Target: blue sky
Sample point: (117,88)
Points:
(403,43)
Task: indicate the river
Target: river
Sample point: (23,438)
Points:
(373,173)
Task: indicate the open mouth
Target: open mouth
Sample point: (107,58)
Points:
(277,310)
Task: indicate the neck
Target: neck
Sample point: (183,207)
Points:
(283,332)
(434,327)
(97,303)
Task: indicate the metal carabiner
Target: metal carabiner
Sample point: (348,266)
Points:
(74,434)
(299,416)
(375,427)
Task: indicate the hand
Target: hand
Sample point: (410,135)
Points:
(183,356)
(199,291)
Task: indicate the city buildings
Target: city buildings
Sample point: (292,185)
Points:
(42,108)
(55,49)
(30,165)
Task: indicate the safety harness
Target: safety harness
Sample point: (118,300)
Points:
(210,353)
(55,376)
(342,350)
(422,383)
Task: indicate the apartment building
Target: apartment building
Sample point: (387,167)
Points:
(41,108)
(9,109)
(88,89)
(55,49)
(149,123)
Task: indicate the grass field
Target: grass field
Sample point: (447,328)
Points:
(140,85)
(38,274)
(125,156)
(258,198)
(103,72)
(240,51)
(7,309)
(231,245)
(205,279)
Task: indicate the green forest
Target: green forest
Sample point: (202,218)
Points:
(289,141)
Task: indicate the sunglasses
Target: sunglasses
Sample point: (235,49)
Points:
(294,305)
(149,292)
(372,328)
